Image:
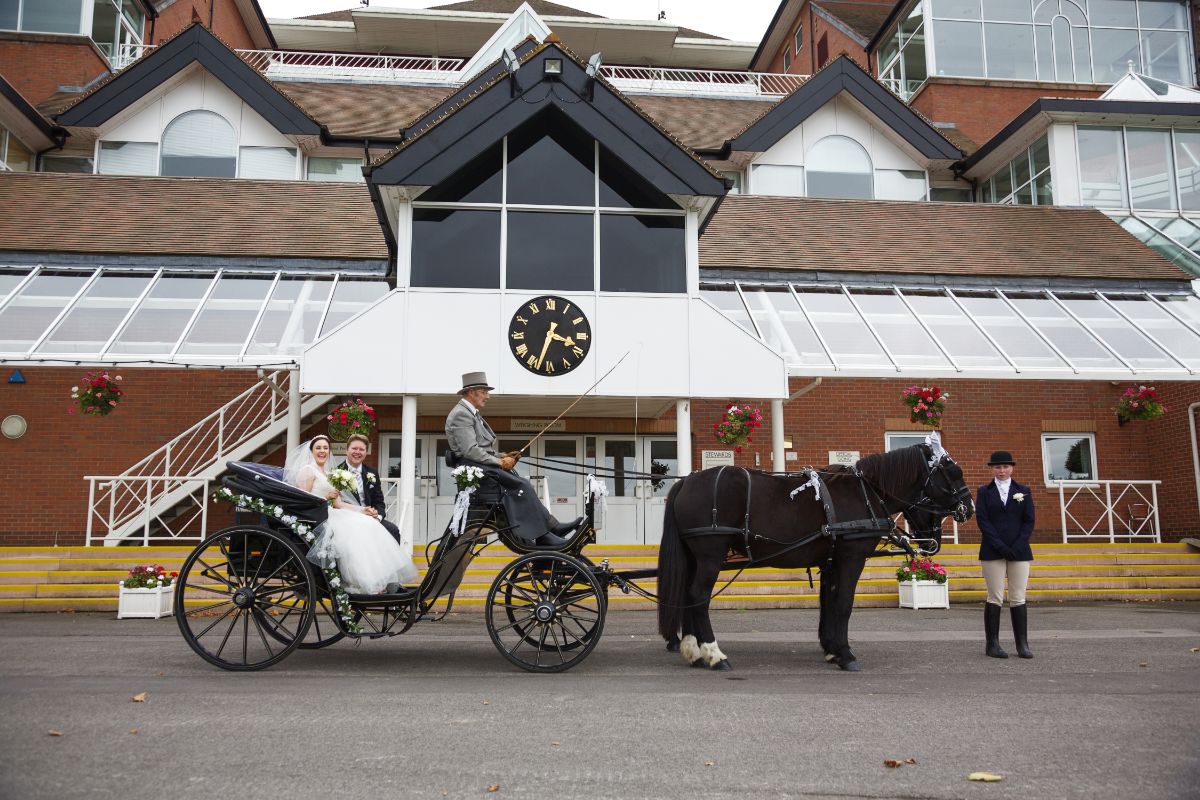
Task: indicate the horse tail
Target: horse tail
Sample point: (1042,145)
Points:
(672,571)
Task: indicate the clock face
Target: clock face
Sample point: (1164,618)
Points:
(549,336)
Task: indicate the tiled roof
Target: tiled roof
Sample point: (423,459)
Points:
(788,233)
(862,18)
(701,123)
(363,109)
(540,7)
(188,216)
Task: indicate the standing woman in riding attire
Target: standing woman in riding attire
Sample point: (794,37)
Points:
(1004,511)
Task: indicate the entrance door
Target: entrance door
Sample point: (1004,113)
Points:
(660,457)
(390,466)
(616,456)
(564,489)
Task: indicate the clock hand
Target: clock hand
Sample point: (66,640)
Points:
(546,346)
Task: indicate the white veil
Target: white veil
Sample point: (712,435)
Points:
(300,457)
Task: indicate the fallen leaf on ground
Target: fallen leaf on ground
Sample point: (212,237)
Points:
(555,744)
(891,762)
(910,760)
(140,697)
(54,733)
(487,702)
(133,731)
(1196,649)
(986,777)
(709,763)
(493,787)
(1144,664)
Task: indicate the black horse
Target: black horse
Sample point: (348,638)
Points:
(708,512)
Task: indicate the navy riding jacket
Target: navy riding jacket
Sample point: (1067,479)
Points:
(1006,527)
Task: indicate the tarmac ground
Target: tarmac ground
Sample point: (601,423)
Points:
(1108,708)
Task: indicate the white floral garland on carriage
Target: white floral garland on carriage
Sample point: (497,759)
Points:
(333,577)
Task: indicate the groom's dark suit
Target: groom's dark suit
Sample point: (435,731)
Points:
(370,495)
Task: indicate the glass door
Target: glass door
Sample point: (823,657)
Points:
(616,456)
(389,467)
(564,489)
(659,457)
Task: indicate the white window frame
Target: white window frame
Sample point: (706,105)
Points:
(797,39)
(1052,483)
(888,438)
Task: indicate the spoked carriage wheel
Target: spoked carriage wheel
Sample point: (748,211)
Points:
(545,612)
(245,598)
(324,630)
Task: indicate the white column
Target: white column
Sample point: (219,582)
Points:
(293,417)
(408,468)
(777,464)
(683,436)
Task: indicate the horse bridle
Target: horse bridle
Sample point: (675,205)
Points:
(928,539)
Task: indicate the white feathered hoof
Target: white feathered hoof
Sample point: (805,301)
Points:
(712,656)
(829,657)
(689,648)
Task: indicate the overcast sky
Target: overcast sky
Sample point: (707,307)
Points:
(746,22)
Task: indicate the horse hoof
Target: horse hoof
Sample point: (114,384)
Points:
(699,663)
(850,666)
(829,657)
(673,646)
(723,665)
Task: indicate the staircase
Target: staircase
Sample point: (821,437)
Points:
(163,497)
(85,578)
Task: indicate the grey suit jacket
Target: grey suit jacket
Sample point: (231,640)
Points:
(470,436)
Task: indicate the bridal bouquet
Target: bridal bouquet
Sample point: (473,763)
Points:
(343,480)
(467,477)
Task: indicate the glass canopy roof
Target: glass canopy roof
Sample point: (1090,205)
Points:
(224,317)
(1176,237)
(882,331)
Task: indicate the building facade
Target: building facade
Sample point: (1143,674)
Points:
(252,220)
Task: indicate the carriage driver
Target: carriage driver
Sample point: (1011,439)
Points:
(473,441)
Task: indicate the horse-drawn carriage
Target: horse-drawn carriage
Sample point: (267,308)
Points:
(248,596)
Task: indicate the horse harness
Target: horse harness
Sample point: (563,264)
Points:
(833,530)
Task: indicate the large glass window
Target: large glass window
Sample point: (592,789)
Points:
(14,156)
(1187,169)
(1145,169)
(839,167)
(323,168)
(1023,181)
(51,16)
(1077,41)
(901,60)
(199,144)
(1101,167)
(548,200)
(117,28)
(1069,457)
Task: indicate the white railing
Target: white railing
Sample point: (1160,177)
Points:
(135,496)
(951,539)
(1091,512)
(350,66)
(664,80)
(150,490)
(300,65)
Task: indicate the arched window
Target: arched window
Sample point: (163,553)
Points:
(839,167)
(199,144)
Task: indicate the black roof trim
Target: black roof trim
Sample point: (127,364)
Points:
(437,151)
(887,24)
(196,44)
(54,133)
(843,74)
(1068,105)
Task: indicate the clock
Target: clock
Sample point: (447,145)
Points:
(549,335)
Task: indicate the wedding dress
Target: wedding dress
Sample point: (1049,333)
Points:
(368,558)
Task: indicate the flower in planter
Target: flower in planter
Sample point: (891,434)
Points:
(736,427)
(926,405)
(97,394)
(352,416)
(921,569)
(1140,402)
(149,576)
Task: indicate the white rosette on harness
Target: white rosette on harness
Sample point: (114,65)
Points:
(813,482)
(936,451)
(467,477)
(597,491)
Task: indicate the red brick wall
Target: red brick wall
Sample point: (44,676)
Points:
(982,416)
(815,27)
(227,22)
(38,68)
(980,111)
(46,466)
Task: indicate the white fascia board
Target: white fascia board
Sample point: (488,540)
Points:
(997,373)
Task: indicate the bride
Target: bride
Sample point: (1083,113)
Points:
(368,558)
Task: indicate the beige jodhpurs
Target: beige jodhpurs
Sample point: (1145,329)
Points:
(994,573)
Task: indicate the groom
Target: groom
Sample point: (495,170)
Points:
(369,494)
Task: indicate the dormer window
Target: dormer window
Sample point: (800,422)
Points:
(199,144)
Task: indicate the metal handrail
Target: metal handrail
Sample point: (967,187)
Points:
(1134,527)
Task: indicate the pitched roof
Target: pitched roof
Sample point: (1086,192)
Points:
(862,18)
(699,122)
(805,234)
(363,110)
(48,212)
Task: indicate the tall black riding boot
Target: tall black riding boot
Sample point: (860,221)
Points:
(991,628)
(1020,621)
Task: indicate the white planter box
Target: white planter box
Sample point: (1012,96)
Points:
(924,594)
(146,603)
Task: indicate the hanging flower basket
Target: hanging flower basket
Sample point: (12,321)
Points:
(1139,402)
(737,425)
(352,416)
(97,394)
(926,405)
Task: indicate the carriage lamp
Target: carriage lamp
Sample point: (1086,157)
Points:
(552,68)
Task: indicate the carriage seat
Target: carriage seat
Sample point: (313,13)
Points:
(266,470)
(489,492)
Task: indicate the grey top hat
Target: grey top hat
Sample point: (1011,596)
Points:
(475,380)
(1001,457)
